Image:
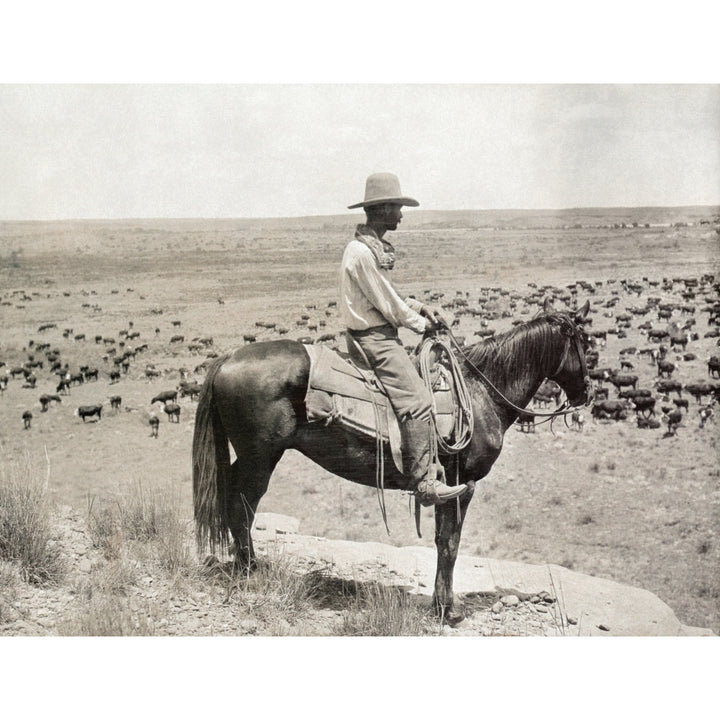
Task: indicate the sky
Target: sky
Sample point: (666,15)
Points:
(271,150)
(188,115)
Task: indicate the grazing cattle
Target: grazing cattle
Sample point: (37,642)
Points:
(115,402)
(657,334)
(645,423)
(63,386)
(626,365)
(673,418)
(714,367)
(644,405)
(151,372)
(551,389)
(609,409)
(190,388)
(620,381)
(177,339)
(665,368)
(91,374)
(45,401)
(706,413)
(27,419)
(172,410)
(665,387)
(165,397)
(681,403)
(114,377)
(577,420)
(599,374)
(88,411)
(527,423)
(700,390)
(154,424)
(249,339)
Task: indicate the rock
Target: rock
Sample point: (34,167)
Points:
(571,620)
(510,600)
(85,566)
(497,607)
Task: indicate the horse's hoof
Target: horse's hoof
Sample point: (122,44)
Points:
(454,617)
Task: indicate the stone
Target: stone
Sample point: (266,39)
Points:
(497,607)
(510,600)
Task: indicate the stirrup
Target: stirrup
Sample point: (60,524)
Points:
(434,492)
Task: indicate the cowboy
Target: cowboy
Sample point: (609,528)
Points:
(372,311)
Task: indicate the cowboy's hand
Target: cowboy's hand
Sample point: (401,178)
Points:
(434,316)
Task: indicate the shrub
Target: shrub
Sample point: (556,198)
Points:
(26,531)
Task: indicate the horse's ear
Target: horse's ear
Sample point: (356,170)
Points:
(547,306)
(582,313)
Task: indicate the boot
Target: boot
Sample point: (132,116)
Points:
(427,480)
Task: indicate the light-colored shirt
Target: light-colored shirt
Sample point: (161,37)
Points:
(367,296)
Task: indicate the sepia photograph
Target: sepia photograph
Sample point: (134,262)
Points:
(389,359)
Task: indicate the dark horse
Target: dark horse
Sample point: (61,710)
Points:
(254,398)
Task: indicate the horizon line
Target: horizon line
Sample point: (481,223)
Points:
(339,214)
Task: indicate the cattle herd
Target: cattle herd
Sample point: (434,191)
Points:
(651,354)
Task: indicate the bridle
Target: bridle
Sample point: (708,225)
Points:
(573,334)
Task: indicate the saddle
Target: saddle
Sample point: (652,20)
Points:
(340,391)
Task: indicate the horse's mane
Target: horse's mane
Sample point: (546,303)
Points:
(505,357)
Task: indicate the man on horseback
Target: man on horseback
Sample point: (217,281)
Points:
(372,311)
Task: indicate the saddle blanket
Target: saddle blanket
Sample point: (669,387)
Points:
(339,391)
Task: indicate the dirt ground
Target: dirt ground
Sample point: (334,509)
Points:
(636,506)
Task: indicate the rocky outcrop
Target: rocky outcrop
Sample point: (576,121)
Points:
(568,602)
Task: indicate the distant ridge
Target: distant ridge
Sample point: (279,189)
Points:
(508,217)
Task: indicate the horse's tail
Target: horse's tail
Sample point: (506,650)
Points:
(211,469)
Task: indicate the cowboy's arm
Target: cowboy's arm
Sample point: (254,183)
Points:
(381,294)
(427,311)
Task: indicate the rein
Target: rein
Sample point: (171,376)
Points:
(561,411)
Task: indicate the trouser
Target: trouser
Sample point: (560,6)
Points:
(409,397)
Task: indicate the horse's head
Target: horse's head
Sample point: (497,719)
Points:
(572,373)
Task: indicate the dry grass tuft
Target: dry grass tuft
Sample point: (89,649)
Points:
(384,611)
(26,528)
(106,615)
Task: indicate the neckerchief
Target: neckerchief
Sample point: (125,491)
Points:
(383,251)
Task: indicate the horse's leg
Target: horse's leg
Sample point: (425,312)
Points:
(448,528)
(249,482)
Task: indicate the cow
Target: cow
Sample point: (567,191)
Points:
(665,387)
(681,403)
(578,420)
(610,409)
(673,419)
(644,405)
(714,367)
(665,368)
(706,413)
(172,410)
(165,397)
(115,402)
(46,399)
(154,424)
(620,381)
(190,388)
(647,423)
(27,419)
(88,411)
(527,422)
(700,390)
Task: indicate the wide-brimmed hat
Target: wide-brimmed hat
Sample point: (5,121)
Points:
(383,188)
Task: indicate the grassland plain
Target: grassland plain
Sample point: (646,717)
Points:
(613,501)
